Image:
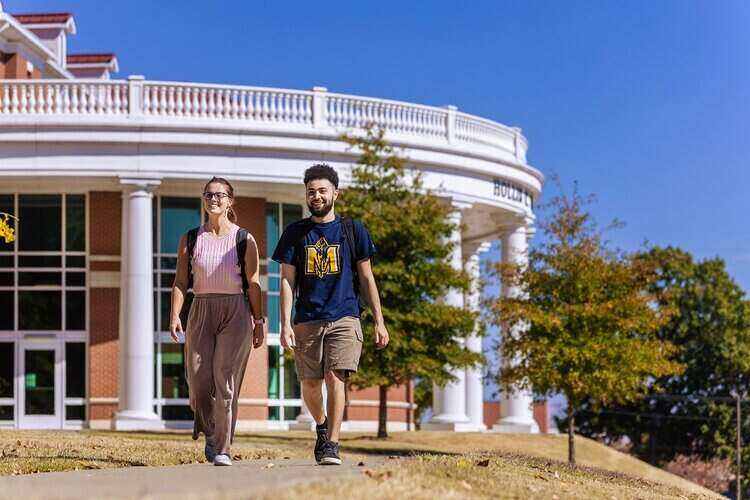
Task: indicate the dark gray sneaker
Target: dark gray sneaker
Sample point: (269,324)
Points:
(330,454)
(322,436)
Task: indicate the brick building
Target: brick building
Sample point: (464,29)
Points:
(105,175)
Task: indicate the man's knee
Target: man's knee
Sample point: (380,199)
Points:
(312,384)
(335,377)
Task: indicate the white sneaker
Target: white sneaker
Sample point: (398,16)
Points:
(222,460)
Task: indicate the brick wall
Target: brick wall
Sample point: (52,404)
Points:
(541,414)
(13,66)
(251,215)
(395,394)
(104,302)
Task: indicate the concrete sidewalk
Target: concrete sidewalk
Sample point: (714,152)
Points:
(245,479)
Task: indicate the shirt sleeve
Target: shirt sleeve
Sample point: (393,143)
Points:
(365,248)
(284,252)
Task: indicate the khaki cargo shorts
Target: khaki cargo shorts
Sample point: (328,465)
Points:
(327,345)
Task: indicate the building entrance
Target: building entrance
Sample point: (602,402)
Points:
(39,384)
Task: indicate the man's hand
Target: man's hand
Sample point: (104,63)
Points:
(259,333)
(287,337)
(175,326)
(381,336)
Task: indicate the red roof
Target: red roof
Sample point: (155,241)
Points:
(89,58)
(45,18)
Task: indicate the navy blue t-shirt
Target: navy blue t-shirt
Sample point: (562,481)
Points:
(326,281)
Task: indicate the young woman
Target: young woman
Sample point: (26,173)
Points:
(219,327)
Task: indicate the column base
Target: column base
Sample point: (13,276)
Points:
(130,420)
(511,426)
(450,426)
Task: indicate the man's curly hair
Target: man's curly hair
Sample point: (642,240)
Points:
(322,171)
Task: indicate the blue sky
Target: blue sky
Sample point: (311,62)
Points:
(643,103)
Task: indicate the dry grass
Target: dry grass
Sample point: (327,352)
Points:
(25,452)
(521,466)
(504,476)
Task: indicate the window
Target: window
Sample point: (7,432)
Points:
(43,291)
(283,386)
(75,380)
(173,218)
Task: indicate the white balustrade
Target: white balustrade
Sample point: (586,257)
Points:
(316,108)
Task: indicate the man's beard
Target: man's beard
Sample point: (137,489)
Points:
(322,211)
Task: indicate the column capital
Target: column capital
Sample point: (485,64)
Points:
(140,183)
(461,205)
(473,249)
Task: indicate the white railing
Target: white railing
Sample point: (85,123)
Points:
(318,108)
(45,97)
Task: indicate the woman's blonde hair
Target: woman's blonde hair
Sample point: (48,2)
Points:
(231,214)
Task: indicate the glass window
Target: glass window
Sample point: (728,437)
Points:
(40,310)
(6,206)
(173,382)
(176,412)
(167,279)
(274,322)
(39,261)
(75,310)
(274,381)
(7,369)
(166,307)
(39,382)
(6,260)
(7,311)
(6,279)
(291,412)
(291,213)
(75,223)
(272,234)
(34,279)
(178,215)
(75,279)
(75,370)
(6,412)
(291,384)
(274,413)
(75,412)
(75,261)
(41,222)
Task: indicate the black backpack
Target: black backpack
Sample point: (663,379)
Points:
(241,242)
(351,242)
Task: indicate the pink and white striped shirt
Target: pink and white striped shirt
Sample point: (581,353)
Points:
(215,268)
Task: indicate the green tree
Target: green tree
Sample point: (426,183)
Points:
(409,226)
(583,324)
(711,325)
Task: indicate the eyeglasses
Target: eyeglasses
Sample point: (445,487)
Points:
(219,196)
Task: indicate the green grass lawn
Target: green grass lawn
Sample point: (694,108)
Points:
(429,464)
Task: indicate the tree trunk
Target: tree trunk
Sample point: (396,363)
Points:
(571,436)
(383,412)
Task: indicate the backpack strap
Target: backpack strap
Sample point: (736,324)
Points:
(241,243)
(192,238)
(299,252)
(351,241)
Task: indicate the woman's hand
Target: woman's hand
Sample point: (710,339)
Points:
(259,333)
(175,326)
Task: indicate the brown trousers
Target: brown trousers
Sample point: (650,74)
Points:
(217,347)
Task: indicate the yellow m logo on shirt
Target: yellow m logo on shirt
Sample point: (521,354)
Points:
(322,259)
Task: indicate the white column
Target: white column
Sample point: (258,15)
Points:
(136,385)
(516,406)
(474,375)
(449,403)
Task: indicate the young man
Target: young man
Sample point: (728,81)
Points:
(325,259)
